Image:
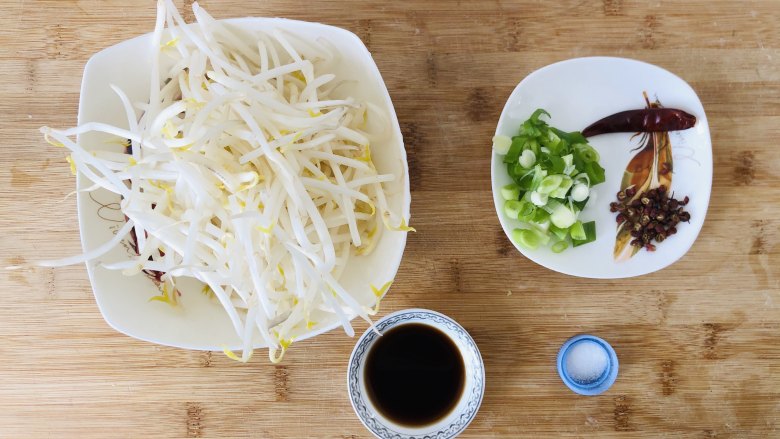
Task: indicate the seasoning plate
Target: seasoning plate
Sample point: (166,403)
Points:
(580,91)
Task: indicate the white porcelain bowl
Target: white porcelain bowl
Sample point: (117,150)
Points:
(200,323)
(473,390)
(580,91)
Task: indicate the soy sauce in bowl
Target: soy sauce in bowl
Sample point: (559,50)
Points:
(414,374)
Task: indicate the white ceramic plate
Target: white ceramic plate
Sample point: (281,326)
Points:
(580,91)
(200,323)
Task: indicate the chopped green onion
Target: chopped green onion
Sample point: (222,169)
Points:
(595,173)
(515,149)
(525,181)
(562,216)
(510,192)
(549,183)
(577,231)
(590,234)
(580,205)
(540,216)
(501,144)
(527,159)
(529,238)
(580,192)
(558,232)
(533,145)
(571,138)
(586,160)
(542,226)
(539,175)
(527,211)
(559,246)
(552,163)
(526,238)
(587,152)
(552,173)
(563,189)
(552,141)
(535,117)
(539,199)
(512,208)
(584,177)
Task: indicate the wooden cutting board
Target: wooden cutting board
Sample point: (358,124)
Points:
(699,342)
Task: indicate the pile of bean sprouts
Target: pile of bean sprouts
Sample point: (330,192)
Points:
(245,172)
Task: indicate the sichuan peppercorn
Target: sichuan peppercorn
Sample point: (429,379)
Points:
(649,216)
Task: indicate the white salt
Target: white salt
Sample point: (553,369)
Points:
(586,361)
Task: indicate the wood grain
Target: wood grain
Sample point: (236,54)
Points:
(699,342)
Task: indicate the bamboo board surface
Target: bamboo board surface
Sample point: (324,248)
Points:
(698,342)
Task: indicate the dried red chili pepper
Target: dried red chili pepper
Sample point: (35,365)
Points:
(646,120)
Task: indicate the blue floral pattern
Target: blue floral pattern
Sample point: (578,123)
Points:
(471,358)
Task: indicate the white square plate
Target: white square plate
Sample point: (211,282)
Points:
(580,91)
(200,323)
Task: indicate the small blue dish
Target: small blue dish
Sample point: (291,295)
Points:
(600,384)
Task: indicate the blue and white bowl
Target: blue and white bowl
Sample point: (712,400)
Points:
(463,413)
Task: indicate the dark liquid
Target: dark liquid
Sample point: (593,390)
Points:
(414,374)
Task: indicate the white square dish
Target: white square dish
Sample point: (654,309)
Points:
(199,323)
(578,92)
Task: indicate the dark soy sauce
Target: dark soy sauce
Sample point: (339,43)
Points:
(414,374)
